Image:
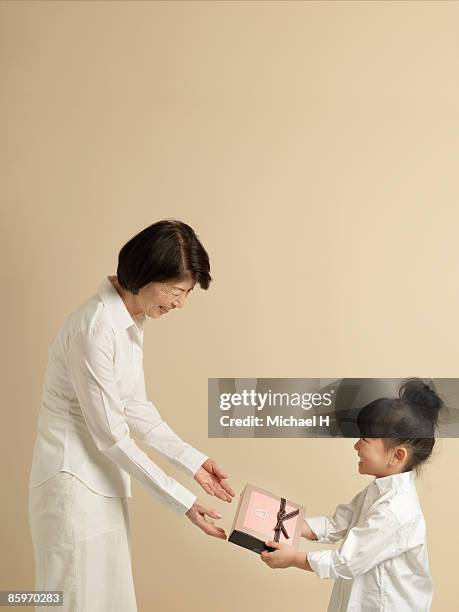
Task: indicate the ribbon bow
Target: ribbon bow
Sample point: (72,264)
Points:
(281,517)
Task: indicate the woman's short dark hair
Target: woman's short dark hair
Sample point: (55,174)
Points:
(409,420)
(166,250)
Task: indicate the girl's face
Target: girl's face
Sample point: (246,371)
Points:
(375,460)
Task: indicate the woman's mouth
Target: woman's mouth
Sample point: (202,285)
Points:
(163,309)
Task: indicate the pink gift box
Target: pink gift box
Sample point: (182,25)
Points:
(262,516)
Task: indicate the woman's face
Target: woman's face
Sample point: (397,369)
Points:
(157,299)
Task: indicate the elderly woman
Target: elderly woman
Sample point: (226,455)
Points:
(93,400)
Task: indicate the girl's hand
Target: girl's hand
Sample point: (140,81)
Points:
(282,557)
(201,515)
(307,532)
(213,480)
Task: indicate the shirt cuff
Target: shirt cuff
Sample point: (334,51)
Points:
(184,497)
(319,526)
(128,456)
(192,459)
(329,564)
(321,563)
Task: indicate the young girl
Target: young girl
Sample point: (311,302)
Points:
(382,563)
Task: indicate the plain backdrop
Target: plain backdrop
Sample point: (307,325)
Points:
(313,146)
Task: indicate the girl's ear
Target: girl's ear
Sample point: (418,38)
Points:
(399,455)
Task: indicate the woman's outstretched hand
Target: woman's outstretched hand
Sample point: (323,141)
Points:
(199,513)
(213,480)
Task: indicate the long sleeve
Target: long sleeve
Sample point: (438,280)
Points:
(147,425)
(90,362)
(378,538)
(332,528)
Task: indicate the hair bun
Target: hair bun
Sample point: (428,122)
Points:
(423,396)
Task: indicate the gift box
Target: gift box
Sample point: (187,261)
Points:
(262,516)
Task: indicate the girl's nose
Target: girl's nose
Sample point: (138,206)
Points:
(356,445)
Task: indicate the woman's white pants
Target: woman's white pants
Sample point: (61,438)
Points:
(81,546)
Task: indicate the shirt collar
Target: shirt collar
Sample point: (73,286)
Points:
(396,481)
(117,308)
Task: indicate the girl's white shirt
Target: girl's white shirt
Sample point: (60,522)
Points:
(382,564)
(93,399)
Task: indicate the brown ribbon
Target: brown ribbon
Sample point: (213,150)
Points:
(281,517)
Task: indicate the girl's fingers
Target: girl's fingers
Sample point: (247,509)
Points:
(266,558)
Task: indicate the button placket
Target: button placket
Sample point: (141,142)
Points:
(137,356)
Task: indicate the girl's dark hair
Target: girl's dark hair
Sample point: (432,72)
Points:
(166,250)
(409,420)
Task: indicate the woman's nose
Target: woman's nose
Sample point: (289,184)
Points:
(179,302)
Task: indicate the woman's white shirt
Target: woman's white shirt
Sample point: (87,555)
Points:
(94,397)
(382,563)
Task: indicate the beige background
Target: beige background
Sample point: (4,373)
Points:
(313,146)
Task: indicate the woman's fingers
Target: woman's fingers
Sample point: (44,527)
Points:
(212,489)
(221,489)
(222,476)
(221,493)
(213,480)
(199,514)
(202,510)
(227,488)
(209,526)
(208,488)
(218,471)
(216,532)
(212,513)
(212,530)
